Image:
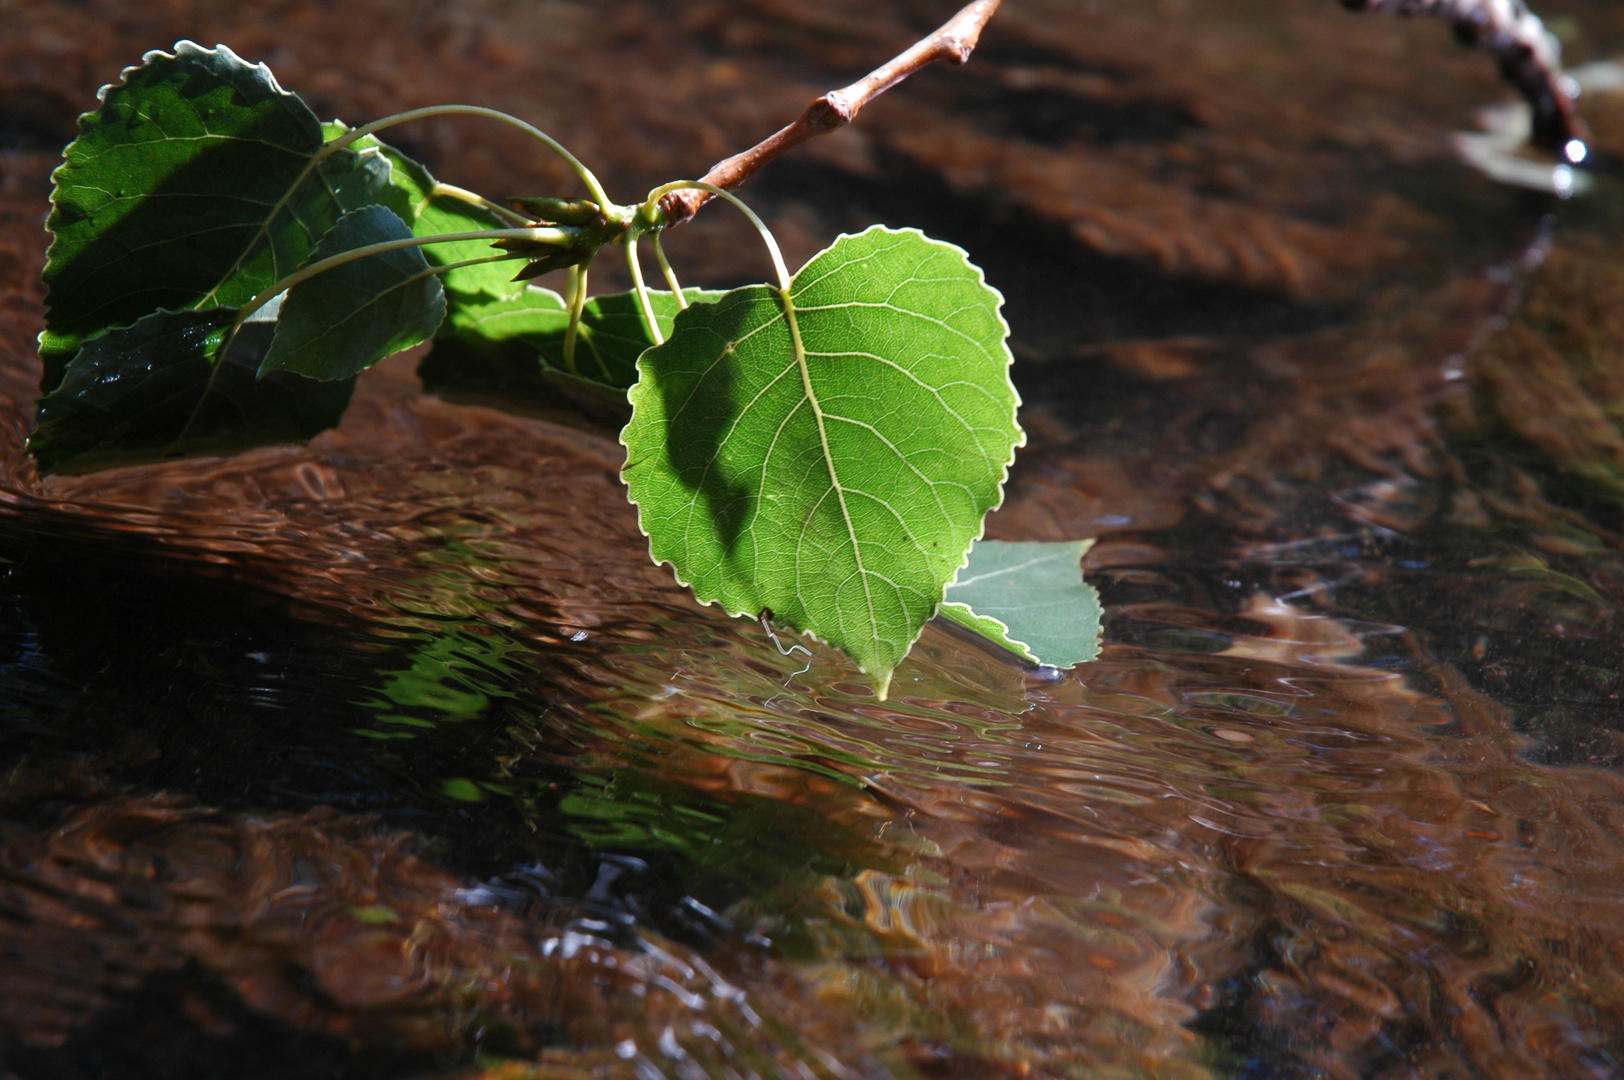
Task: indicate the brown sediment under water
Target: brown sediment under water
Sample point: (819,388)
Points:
(393,755)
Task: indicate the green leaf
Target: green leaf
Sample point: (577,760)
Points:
(842,488)
(613,335)
(489,352)
(191,186)
(431,209)
(150,391)
(533,315)
(342,321)
(1029,598)
(610,339)
(511,352)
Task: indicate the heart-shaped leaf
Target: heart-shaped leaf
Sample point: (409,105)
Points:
(193,185)
(343,320)
(829,454)
(159,388)
(1029,598)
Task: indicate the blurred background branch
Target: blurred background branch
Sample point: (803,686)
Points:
(1530,58)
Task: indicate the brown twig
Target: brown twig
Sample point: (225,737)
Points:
(953,42)
(1530,58)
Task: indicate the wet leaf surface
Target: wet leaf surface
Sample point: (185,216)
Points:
(163,387)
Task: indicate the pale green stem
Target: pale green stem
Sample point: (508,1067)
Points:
(670,274)
(474,197)
(577,304)
(544,236)
(643,304)
(552,144)
(435,271)
(364,130)
(220,354)
(761,227)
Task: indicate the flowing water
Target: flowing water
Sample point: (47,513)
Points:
(393,755)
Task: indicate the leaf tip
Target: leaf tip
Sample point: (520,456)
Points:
(882,685)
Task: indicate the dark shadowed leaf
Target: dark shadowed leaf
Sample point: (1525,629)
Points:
(510,375)
(513,351)
(150,390)
(432,209)
(611,336)
(1030,598)
(837,478)
(191,186)
(342,321)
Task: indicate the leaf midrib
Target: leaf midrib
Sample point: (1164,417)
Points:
(829,462)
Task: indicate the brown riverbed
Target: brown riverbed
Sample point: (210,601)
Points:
(393,754)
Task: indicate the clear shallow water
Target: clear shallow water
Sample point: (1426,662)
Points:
(394,756)
(420,757)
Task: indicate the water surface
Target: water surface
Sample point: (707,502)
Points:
(393,755)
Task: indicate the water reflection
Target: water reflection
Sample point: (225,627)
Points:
(1258,836)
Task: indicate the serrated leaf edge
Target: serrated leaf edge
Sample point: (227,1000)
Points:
(952,609)
(183,47)
(881,685)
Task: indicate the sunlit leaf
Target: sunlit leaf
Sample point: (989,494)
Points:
(841,485)
(1029,598)
(533,315)
(343,320)
(151,390)
(193,185)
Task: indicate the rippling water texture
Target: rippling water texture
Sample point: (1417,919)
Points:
(393,755)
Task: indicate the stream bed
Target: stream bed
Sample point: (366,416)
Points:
(393,755)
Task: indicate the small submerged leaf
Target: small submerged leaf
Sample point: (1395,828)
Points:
(342,321)
(151,390)
(192,185)
(838,484)
(1029,598)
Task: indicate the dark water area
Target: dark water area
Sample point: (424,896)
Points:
(393,755)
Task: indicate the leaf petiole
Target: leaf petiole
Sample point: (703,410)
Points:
(474,198)
(644,306)
(541,235)
(577,286)
(551,143)
(663,190)
(670,274)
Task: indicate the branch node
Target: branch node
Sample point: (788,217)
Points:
(832,110)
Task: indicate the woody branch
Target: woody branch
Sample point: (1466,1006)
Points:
(953,42)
